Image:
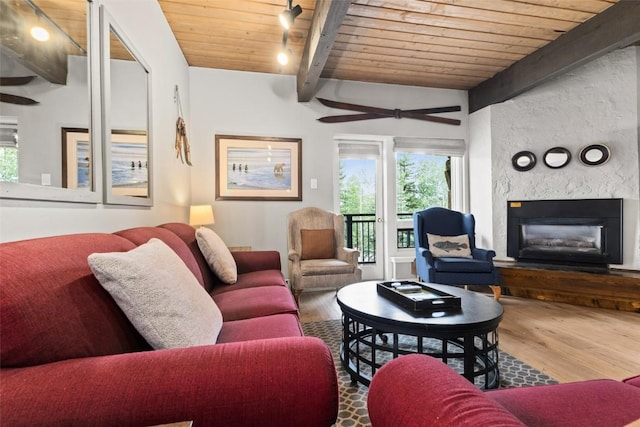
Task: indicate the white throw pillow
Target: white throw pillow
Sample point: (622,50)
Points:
(159,295)
(217,255)
(449,246)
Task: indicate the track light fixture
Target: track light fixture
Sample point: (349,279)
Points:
(289,15)
(286,19)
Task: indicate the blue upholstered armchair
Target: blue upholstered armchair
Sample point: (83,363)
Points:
(451,257)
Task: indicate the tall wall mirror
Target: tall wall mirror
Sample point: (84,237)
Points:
(45,93)
(126,89)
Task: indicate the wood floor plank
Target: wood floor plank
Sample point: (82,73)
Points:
(566,342)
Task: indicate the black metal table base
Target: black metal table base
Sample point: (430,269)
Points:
(366,347)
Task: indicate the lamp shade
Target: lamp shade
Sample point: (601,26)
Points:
(201,215)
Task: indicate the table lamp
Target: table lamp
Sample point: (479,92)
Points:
(200,215)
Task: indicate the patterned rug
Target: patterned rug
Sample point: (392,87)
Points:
(353,398)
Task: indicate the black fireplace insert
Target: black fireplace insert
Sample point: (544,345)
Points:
(582,232)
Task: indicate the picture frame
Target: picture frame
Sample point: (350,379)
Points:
(129,161)
(77,172)
(258,168)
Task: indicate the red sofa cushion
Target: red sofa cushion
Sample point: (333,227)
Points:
(141,235)
(253,261)
(188,235)
(276,326)
(255,302)
(252,280)
(52,306)
(595,402)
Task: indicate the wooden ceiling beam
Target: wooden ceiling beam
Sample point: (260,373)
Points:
(327,18)
(614,28)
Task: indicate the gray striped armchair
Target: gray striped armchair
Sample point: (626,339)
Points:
(316,252)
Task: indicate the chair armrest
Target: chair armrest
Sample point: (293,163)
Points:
(349,255)
(483,254)
(257,261)
(426,254)
(293,256)
(418,390)
(246,383)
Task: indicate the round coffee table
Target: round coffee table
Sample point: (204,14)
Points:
(376,330)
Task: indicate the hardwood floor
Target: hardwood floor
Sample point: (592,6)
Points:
(566,342)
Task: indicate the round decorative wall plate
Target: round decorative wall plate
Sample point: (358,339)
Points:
(595,154)
(523,161)
(557,157)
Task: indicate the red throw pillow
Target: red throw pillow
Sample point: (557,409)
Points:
(318,244)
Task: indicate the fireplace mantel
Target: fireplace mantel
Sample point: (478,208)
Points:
(613,289)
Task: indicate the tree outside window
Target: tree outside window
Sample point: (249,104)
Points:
(9,164)
(422,181)
(358,205)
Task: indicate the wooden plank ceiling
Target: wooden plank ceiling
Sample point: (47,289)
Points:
(455,44)
(495,49)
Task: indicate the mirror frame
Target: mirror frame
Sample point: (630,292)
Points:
(107,25)
(527,155)
(604,151)
(22,191)
(556,150)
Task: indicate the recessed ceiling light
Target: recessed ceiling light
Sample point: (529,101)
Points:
(39,33)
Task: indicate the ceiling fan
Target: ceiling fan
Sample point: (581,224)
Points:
(15,99)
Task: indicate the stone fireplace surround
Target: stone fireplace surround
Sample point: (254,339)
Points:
(598,102)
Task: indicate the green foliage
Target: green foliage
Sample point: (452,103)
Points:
(8,164)
(357,192)
(421,183)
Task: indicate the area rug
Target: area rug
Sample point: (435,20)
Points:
(353,398)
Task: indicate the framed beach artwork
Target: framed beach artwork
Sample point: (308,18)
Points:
(258,168)
(129,163)
(76,159)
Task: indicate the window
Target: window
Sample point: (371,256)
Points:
(428,173)
(9,149)
(422,180)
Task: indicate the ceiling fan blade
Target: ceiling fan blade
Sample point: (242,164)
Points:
(15,99)
(16,81)
(351,117)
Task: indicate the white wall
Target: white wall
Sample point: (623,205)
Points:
(480,194)
(144,24)
(240,103)
(596,103)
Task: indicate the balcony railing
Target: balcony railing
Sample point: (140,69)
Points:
(360,233)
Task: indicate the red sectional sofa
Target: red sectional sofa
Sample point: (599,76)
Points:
(420,391)
(70,356)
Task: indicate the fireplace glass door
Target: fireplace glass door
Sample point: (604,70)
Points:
(561,239)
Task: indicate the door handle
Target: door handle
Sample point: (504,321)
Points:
(379,220)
